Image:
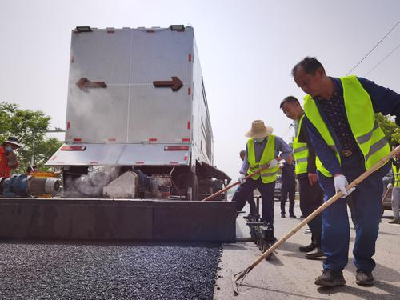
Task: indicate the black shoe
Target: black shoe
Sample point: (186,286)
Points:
(330,278)
(302,217)
(308,248)
(283,216)
(364,278)
(293,216)
(317,253)
(394,221)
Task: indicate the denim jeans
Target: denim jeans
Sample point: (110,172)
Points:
(367,214)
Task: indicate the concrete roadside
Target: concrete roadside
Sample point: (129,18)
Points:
(289,275)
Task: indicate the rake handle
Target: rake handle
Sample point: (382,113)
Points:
(235,183)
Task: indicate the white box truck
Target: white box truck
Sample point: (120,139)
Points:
(136,100)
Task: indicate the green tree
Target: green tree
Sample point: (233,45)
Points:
(390,128)
(30,127)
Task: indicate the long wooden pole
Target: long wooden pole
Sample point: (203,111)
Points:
(235,183)
(320,209)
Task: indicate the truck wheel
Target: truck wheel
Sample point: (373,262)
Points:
(192,187)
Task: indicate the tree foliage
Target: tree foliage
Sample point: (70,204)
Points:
(389,127)
(30,127)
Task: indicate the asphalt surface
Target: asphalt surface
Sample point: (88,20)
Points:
(101,271)
(289,275)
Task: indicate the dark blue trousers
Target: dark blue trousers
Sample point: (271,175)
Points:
(367,214)
(267,193)
(288,188)
(310,199)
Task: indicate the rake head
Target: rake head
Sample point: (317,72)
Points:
(237,280)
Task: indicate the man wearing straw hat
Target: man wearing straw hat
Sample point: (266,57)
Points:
(8,159)
(340,119)
(262,148)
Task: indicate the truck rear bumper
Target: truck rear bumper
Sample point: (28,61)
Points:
(83,154)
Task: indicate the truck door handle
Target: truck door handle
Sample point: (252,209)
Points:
(85,83)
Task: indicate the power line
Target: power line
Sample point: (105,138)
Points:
(377,44)
(377,65)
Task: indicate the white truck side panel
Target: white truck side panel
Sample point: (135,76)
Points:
(202,132)
(96,115)
(128,61)
(130,120)
(160,113)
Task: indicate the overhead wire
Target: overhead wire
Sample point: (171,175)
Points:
(389,54)
(373,48)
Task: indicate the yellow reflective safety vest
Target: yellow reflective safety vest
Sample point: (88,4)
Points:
(396,176)
(360,114)
(300,151)
(270,174)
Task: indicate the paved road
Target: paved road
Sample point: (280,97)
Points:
(49,270)
(290,276)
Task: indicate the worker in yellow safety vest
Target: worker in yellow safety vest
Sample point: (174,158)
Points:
(340,119)
(310,192)
(262,149)
(395,189)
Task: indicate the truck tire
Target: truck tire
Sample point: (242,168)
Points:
(192,187)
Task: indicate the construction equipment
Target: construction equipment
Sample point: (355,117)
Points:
(136,99)
(239,277)
(22,185)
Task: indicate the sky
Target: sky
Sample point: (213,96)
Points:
(246,48)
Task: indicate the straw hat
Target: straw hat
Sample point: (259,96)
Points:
(259,130)
(12,140)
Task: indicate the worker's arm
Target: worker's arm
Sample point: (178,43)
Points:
(322,150)
(245,164)
(384,100)
(281,146)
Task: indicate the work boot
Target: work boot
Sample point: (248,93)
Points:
(330,278)
(394,221)
(364,278)
(317,253)
(283,216)
(293,216)
(308,248)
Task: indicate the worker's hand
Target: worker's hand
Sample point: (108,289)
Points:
(389,186)
(340,183)
(273,163)
(241,178)
(312,178)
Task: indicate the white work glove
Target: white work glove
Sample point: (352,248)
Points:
(389,186)
(273,163)
(241,178)
(340,183)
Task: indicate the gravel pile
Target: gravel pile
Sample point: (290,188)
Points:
(103,271)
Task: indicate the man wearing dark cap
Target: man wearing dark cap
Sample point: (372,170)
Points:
(8,159)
